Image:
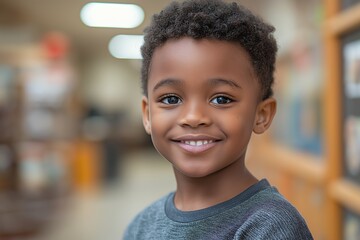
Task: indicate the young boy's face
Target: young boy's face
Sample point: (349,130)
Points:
(203,104)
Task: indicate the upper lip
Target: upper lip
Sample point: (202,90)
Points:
(195,137)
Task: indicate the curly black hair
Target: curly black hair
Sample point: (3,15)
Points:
(219,20)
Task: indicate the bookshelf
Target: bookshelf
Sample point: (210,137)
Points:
(35,143)
(342,32)
(325,187)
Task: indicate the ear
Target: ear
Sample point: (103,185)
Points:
(265,113)
(146,115)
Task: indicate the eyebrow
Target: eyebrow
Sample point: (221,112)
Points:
(167,82)
(221,81)
(177,82)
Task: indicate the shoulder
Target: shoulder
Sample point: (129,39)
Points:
(154,212)
(271,216)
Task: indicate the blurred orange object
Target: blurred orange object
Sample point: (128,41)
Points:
(86,165)
(56,45)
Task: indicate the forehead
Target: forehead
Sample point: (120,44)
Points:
(201,59)
(186,47)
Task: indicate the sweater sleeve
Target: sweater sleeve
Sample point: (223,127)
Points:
(274,223)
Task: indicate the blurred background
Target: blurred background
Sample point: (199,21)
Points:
(75,162)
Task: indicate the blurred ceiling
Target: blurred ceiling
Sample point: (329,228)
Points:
(64,15)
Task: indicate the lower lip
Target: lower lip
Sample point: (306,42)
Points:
(196,149)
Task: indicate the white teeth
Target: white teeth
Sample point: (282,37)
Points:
(197,143)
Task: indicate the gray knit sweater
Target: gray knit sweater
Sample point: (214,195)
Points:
(260,212)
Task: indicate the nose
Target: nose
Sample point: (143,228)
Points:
(195,115)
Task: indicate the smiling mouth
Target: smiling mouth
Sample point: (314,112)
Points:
(197,142)
(194,146)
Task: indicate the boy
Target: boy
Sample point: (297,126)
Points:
(207,79)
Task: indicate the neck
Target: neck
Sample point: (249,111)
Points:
(199,193)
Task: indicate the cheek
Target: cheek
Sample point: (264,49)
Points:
(163,116)
(239,128)
(239,124)
(161,122)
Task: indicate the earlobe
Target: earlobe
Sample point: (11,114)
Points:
(265,113)
(145,115)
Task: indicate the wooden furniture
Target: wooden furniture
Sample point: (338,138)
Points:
(317,185)
(342,193)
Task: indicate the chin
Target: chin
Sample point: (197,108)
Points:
(193,173)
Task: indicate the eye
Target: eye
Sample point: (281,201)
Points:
(221,100)
(170,100)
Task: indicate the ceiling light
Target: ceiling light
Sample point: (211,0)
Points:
(126,46)
(112,15)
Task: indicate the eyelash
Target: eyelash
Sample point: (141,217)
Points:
(165,99)
(228,99)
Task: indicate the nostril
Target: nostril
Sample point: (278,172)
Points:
(194,123)
(194,115)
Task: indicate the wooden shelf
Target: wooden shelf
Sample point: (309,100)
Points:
(301,175)
(347,193)
(340,192)
(344,21)
(299,164)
